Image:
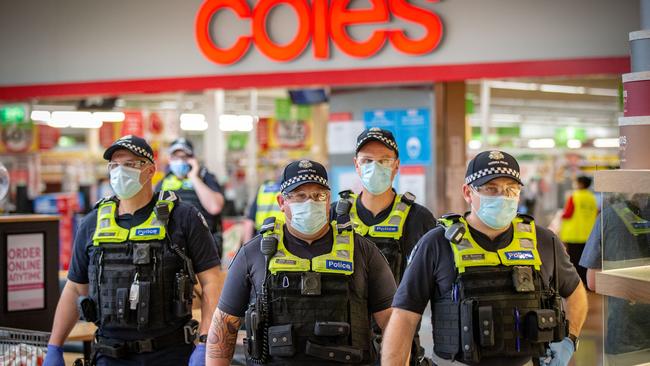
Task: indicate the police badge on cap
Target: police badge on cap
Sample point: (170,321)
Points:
(302,172)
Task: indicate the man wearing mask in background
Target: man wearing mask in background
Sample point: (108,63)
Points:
(494,280)
(134,262)
(394,222)
(578,219)
(306,288)
(194,185)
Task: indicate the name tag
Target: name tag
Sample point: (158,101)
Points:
(106,233)
(147,231)
(520,255)
(473,257)
(386,229)
(338,265)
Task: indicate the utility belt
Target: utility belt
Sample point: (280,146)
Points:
(118,348)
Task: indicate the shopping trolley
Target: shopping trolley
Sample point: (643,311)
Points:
(22,347)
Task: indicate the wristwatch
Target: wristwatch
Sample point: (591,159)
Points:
(203,338)
(574,338)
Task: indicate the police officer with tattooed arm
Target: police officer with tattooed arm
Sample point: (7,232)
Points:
(136,258)
(495,281)
(394,222)
(306,287)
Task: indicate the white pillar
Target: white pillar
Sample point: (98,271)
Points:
(252,178)
(485,113)
(214,142)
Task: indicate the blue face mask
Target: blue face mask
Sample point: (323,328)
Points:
(125,182)
(308,217)
(179,168)
(497,212)
(376,178)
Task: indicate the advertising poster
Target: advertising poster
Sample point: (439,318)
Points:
(25,271)
(341,136)
(411,128)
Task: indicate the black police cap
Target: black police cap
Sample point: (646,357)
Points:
(136,145)
(489,165)
(377,134)
(301,172)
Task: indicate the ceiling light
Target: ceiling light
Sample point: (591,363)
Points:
(193,122)
(109,116)
(603,92)
(567,89)
(541,143)
(506,118)
(233,122)
(611,142)
(40,116)
(474,144)
(512,85)
(574,144)
(61,119)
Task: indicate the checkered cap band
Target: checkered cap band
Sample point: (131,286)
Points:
(377,136)
(491,171)
(304,178)
(136,149)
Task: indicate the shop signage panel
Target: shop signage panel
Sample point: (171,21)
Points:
(319,22)
(25,271)
(411,128)
(12,113)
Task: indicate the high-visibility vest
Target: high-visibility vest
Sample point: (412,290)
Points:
(577,228)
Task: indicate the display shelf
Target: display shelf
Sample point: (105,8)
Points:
(632,283)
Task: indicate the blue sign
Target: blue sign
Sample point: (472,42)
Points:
(412,130)
(386,229)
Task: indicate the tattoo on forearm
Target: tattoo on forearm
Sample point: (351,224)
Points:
(222,336)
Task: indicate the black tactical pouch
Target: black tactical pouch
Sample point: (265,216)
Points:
(143,304)
(467,341)
(182,295)
(446,338)
(253,340)
(280,340)
(539,325)
(331,329)
(87,309)
(342,354)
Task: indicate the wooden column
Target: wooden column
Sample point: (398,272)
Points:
(450,147)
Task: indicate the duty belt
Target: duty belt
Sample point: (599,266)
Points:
(119,348)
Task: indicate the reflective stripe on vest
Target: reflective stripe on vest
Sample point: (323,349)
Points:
(522,250)
(634,224)
(107,230)
(577,228)
(392,227)
(340,260)
(267,204)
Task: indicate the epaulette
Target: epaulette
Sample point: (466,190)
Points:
(408,198)
(448,219)
(526,218)
(104,200)
(345,194)
(267,225)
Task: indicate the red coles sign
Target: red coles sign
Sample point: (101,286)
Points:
(319,21)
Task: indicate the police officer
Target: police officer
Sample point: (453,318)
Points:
(394,222)
(136,257)
(264,205)
(495,280)
(621,234)
(306,287)
(194,184)
(578,218)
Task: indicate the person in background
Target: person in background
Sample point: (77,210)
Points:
(136,257)
(495,281)
(195,185)
(394,222)
(623,230)
(306,288)
(578,218)
(264,205)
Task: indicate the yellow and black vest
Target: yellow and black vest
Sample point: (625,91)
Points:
(387,235)
(635,224)
(577,228)
(267,203)
(317,316)
(498,305)
(134,275)
(185,191)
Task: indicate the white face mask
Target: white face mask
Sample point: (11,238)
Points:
(308,217)
(125,182)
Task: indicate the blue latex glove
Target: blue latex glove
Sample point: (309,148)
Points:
(198,356)
(54,356)
(559,354)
